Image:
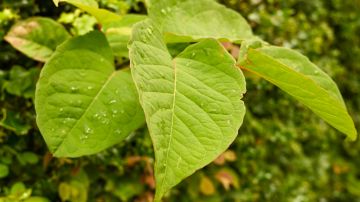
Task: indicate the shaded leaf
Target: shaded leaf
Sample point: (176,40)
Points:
(118,33)
(192,103)
(296,75)
(14,121)
(34,38)
(4,170)
(29,157)
(85,106)
(22,82)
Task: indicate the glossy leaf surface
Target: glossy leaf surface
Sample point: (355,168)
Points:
(296,75)
(192,103)
(83,105)
(188,20)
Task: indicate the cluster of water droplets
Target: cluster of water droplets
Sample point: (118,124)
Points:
(166,11)
(113,101)
(118,132)
(66,120)
(86,133)
(102,117)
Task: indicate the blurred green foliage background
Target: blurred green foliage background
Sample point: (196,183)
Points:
(283,152)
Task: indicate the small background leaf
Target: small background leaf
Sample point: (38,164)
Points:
(102,15)
(37,37)
(118,33)
(4,170)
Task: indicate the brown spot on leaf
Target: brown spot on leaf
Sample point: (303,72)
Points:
(23,29)
(15,41)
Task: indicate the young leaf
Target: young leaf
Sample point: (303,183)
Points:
(118,33)
(192,103)
(33,38)
(189,20)
(83,105)
(102,15)
(296,75)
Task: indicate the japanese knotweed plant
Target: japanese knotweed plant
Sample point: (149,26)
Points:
(189,95)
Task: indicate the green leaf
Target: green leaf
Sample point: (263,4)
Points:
(37,37)
(29,158)
(296,75)
(4,170)
(192,103)
(118,33)
(22,82)
(189,20)
(83,105)
(18,188)
(91,6)
(36,199)
(91,3)
(14,121)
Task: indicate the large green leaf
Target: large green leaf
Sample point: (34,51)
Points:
(189,20)
(37,37)
(83,105)
(91,6)
(296,75)
(192,103)
(118,33)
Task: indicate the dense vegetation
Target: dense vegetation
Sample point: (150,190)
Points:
(280,154)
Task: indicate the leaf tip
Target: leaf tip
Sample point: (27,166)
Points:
(56,2)
(352,137)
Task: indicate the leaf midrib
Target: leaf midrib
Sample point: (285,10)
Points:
(171,125)
(332,98)
(301,75)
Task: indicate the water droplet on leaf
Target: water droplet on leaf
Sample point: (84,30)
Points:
(88,130)
(149,30)
(73,89)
